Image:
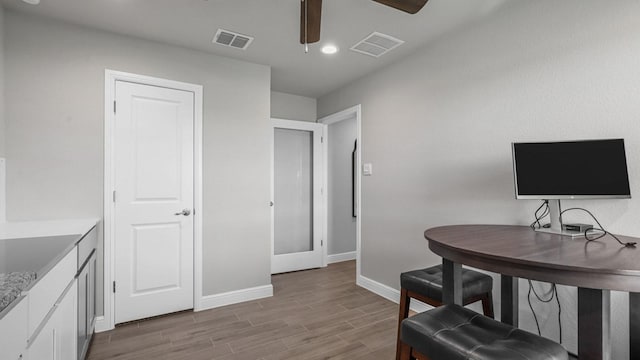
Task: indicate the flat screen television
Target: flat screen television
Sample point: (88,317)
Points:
(585,169)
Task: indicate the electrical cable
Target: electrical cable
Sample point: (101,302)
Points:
(553,294)
(535,317)
(555,288)
(589,236)
(560,216)
(536,223)
(600,228)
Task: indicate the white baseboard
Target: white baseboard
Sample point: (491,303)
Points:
(213,301)
(234,297)
(389,293)
(101,325)
(335,258)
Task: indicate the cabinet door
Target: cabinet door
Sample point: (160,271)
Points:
(83,311)
(13,332)
(43,346)
(91,296)
(47,291)
(57,339)
(66,322)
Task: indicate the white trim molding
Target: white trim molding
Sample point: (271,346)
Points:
(327,120)
(107,322)
(101,324)
(235,297)
(336,258)
(389,293)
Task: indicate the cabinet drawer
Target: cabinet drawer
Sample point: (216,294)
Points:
(13,332)
(46,291)
(86,246)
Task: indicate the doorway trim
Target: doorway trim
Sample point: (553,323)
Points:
(328,120)
(107,321)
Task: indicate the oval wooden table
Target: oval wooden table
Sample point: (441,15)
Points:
(517,251)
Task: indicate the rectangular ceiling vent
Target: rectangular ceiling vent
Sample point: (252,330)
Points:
(232,39)
(376,44)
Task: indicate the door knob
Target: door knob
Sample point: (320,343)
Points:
(185,212)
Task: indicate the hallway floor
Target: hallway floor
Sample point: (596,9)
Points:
(314,314)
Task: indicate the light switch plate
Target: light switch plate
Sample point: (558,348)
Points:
(3,185)
(367,169)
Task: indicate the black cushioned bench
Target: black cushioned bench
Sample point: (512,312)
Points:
(426,285)
(452,332)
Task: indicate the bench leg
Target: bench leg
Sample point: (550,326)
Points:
(418,356)
(405,352)
(487,305)
(402,314)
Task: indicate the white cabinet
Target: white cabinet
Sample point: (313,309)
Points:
(86,291)
(43,295)
(13,332)
(53,313)
(43,324)
(57,338)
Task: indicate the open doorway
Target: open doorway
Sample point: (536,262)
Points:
(343,178)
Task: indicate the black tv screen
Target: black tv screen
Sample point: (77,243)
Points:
(583,169)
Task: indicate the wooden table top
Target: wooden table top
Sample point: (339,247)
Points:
(521,252)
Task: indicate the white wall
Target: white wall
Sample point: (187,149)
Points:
(2,125)
(55,102)
(341,223)
(293,107)
(437,127)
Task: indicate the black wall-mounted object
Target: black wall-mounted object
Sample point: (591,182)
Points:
(354,164)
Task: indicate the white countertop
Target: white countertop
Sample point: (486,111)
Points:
(30,229)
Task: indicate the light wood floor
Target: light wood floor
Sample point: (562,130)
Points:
(314,314)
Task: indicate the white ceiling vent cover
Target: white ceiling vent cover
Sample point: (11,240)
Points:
(232,39)
(376,44)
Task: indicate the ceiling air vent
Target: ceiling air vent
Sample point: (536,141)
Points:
(232,39)
(376,44)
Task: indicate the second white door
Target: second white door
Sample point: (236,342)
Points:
(153,197)
(297,196)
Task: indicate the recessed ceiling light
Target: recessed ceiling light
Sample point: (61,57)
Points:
(329,49)
(32,2)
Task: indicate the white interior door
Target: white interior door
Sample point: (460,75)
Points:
(153,154)
(297,219)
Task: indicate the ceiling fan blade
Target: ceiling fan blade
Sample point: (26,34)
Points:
(310,14)
(410,6)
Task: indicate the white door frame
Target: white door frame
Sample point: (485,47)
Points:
(328,120)
(285,123)
(107,322)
